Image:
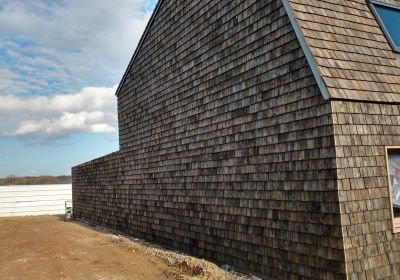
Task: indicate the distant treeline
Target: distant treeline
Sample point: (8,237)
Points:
(40,180)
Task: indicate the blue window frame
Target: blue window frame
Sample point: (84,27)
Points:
(388,16)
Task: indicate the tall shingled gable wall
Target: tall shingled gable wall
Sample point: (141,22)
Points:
(226,145)
(362,131)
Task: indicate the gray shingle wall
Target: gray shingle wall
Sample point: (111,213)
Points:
(227,147)
(92,185)
(362,130)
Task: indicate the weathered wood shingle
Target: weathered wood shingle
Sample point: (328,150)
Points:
(362,131)
(351,51)
(229,151)
(226,143)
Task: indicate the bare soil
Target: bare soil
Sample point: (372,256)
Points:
(46,247)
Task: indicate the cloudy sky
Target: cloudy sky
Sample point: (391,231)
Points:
(60,64)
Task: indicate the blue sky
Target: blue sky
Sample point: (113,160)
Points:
(60,64)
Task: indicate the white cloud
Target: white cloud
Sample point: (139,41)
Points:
(9,81)
(90,98)
(50,50)
(69,44)
(66,123)
(92,110)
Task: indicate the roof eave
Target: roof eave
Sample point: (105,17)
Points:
(146,31)
(307,52)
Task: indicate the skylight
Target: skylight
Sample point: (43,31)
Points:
(388,16)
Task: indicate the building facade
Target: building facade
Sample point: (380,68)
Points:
(256,133)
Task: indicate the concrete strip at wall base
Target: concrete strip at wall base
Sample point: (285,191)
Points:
(32,200)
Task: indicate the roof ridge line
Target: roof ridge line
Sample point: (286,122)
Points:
(133,58)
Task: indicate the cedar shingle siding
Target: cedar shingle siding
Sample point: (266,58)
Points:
(229,151)
(362,130)
(351,50)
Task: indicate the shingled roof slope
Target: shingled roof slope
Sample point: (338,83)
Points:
(351,52)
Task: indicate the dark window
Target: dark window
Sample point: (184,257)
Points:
(388,16)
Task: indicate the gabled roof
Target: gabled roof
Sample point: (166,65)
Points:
(352,54)
(347,50)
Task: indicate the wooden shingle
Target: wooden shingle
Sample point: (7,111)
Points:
(351,51)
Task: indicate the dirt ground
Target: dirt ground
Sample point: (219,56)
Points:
(46,247)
